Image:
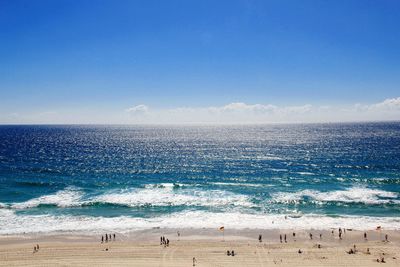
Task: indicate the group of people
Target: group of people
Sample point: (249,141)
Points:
(36,248)
(229,253)
(341,232)
(311,236)
(354,250)
(284,237)
(164,241)
(107,237)
(382,260)
(280,238)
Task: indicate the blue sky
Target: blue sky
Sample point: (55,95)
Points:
(96,61)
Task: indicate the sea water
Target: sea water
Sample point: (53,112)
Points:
(123,178)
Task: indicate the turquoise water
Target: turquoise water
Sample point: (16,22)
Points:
(70,178)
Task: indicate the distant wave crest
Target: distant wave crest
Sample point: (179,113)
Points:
(351,195)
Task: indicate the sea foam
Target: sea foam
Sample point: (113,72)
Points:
(71,196)
(10,223)
(13,222)
(351,195)
(166,196)
(151,195)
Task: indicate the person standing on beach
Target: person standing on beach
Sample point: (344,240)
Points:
(102,239)
(106,238)
(311,236)
(280,238)
(114,236)
(365,236)
(260,238)
(285,239)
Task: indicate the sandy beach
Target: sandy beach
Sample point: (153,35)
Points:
(207,246)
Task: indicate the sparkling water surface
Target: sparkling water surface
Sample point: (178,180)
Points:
(54,178)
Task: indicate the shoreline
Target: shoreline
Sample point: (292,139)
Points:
(192,233)
(213,234)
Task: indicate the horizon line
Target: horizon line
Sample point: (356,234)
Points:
(198,123)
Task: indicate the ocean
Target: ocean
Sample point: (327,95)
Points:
(125,178)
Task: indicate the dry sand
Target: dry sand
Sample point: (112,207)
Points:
(206,245)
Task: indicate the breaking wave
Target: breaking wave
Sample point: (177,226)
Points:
(151,195)
(351,195)
(71,196)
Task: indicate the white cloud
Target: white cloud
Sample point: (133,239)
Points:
(297,109)
(239,112)
(236,112)
(242,107)
(139,109)
(390,104)
(387,104)
(231,113)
